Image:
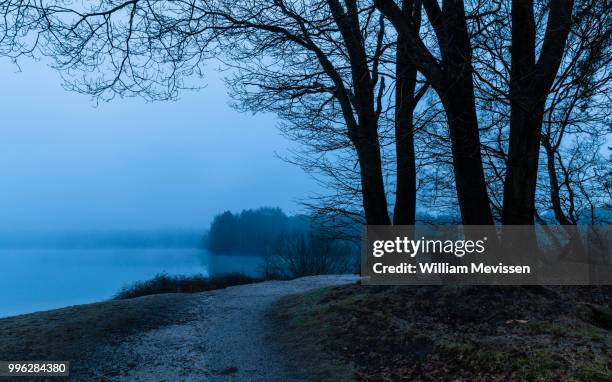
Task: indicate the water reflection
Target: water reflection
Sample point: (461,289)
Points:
(41,279)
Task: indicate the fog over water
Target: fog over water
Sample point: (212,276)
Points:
(93,198)
(67,164)
(41,279)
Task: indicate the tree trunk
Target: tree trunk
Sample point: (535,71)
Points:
(553,180)
(460,106)
(525,126)
(522,171)
(372,184)
(365,139)
(467,160)
(405,189)
(530,83)
(452,80)
(404,212)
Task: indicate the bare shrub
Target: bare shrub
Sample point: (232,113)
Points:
(298,254)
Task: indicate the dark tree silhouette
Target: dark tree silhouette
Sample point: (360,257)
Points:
(324,69)
(530,85)
(451,77)
(531,78)
(330,58)
(406,101)
(576,113)
(347,85)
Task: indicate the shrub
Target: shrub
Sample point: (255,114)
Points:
(300,254)
(163,283)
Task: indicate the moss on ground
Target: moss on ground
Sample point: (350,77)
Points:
(453,333)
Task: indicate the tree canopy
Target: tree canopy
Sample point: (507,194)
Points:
(496,109)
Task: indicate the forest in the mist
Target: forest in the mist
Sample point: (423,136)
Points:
(257,231)
(251,231)
(494,111)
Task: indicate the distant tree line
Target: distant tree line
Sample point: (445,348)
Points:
(257,231)
(292,246)
(252,231)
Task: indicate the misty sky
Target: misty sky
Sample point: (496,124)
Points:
(67,164)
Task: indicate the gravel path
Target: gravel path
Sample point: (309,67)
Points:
(223,335)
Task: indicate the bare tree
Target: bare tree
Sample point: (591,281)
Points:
(299,254)
(346,86)
(577,120)
(531,78)
(150,48)
(576,106)
(451,77)
(319,70)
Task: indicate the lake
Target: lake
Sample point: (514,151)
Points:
(41,279)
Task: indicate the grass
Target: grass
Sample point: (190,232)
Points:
(163,283)
(455,333)
(75,333)
(589,374)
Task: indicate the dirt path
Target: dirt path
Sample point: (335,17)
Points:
(222,335)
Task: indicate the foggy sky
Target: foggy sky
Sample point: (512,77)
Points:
(67,164)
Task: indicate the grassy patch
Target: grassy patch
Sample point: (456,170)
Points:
(163,283)
(305,333)
(74,333)
(574,328)
(454,333)
(590,374)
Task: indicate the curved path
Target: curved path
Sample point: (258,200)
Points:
(223,335)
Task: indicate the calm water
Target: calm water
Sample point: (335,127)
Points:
(40,279)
